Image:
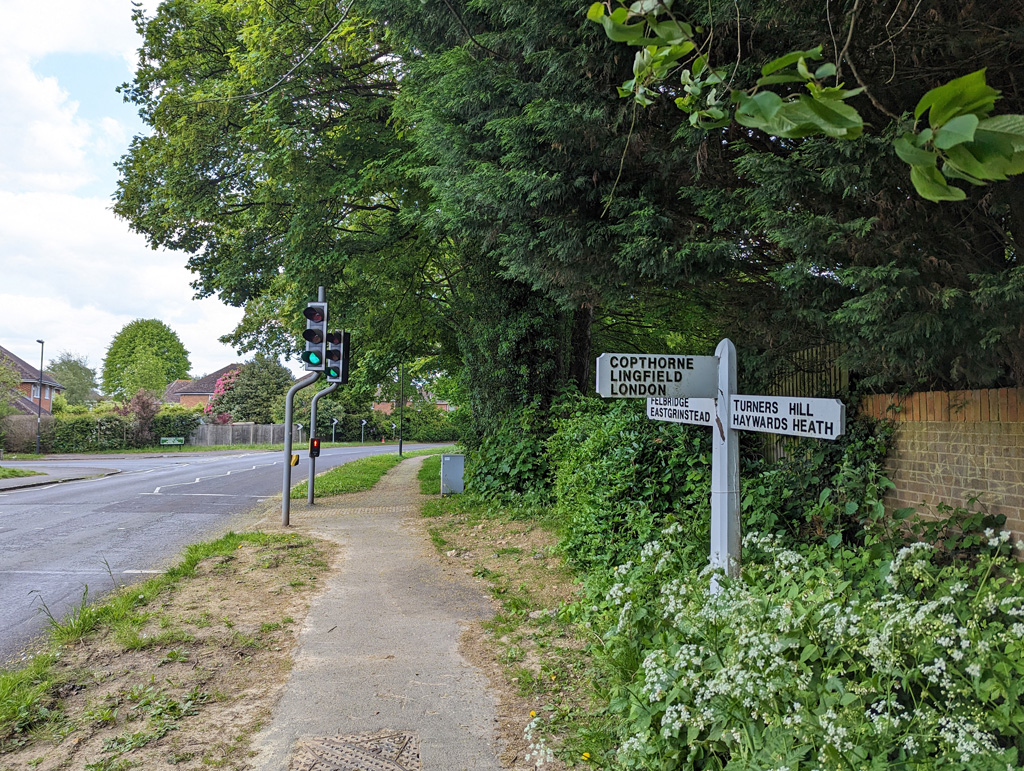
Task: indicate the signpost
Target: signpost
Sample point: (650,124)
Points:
(701,391)
(699,411)
(637,375)
(172,440)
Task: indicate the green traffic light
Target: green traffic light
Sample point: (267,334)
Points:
(333,372)
(311,357)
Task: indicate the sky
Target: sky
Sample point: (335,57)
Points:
(71,273)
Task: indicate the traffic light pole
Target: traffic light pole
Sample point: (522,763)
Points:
(312,432)
(286,488)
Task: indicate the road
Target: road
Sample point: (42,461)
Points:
(57,539)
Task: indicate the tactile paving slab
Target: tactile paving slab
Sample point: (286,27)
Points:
(381,751)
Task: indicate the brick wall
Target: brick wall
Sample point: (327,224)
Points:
(957,445)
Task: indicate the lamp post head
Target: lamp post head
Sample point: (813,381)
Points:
(39,341)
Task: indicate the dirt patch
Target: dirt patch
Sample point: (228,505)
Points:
(188,679)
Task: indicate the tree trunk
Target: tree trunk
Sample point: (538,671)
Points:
(580,356)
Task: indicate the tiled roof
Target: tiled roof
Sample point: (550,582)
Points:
(25,406)
(203,385)
(172,394)
(29,374)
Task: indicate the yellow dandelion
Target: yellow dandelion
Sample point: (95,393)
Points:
(533,713)
(586,756)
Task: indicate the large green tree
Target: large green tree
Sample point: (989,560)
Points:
(75,374)
(467,184)
(146,354)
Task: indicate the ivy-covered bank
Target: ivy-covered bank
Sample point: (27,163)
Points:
(853,639)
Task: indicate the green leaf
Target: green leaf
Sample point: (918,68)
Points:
(931,185)
(1008,127)
(835,539)
(956,131)
(915,156)
(827,70)
(644,7)
(595,12)
(967,94)
(788,76)
(791,58)
(963,160)
(618,31)
(673,32)
(839,119)
(757,109)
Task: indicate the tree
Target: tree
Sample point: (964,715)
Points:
(75,374)
(9,382)
(145,354)
(254,391)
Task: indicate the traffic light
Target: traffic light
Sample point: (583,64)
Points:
(337,356)
(315,336)
(314,447)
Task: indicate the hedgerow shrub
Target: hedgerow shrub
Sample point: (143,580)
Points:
(175,421)
(818,658)
(619,476)
(510,463)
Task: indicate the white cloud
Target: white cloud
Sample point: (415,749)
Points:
(71,273)
(44,144)
(69,263)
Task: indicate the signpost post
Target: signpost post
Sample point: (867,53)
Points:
(701,391)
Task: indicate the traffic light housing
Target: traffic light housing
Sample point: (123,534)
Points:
(337,356)
(314,447)
(315,335)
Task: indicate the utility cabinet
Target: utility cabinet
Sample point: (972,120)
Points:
(452,467)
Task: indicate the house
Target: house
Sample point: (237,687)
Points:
(389,408)
(32,395)
(199,392)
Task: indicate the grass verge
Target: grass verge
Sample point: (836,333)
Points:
(543,671)
(358,475)
(163,671)
(430,476)
(11,473)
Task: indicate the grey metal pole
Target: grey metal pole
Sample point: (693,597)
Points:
(401,404)
(39,406)
(286,488)
(312,432)
(334,428)
(725,473)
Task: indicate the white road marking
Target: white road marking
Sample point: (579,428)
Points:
(197,480)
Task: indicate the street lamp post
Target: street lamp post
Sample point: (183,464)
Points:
(39,404)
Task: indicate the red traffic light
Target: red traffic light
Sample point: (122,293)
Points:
(314,447)
(314,313)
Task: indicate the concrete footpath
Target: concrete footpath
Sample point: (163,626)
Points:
(378,682)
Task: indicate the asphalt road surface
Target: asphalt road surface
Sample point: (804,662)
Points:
(56,540)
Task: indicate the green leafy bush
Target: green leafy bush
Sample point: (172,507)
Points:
(510,462)
(619,477)
(175,421)
(818,658)
(91,432)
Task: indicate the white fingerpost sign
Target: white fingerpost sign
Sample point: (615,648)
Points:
(639,375)
(697,411)
(701,390)
(791,415)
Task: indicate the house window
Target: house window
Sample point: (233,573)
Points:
(35,391)
(49,392)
